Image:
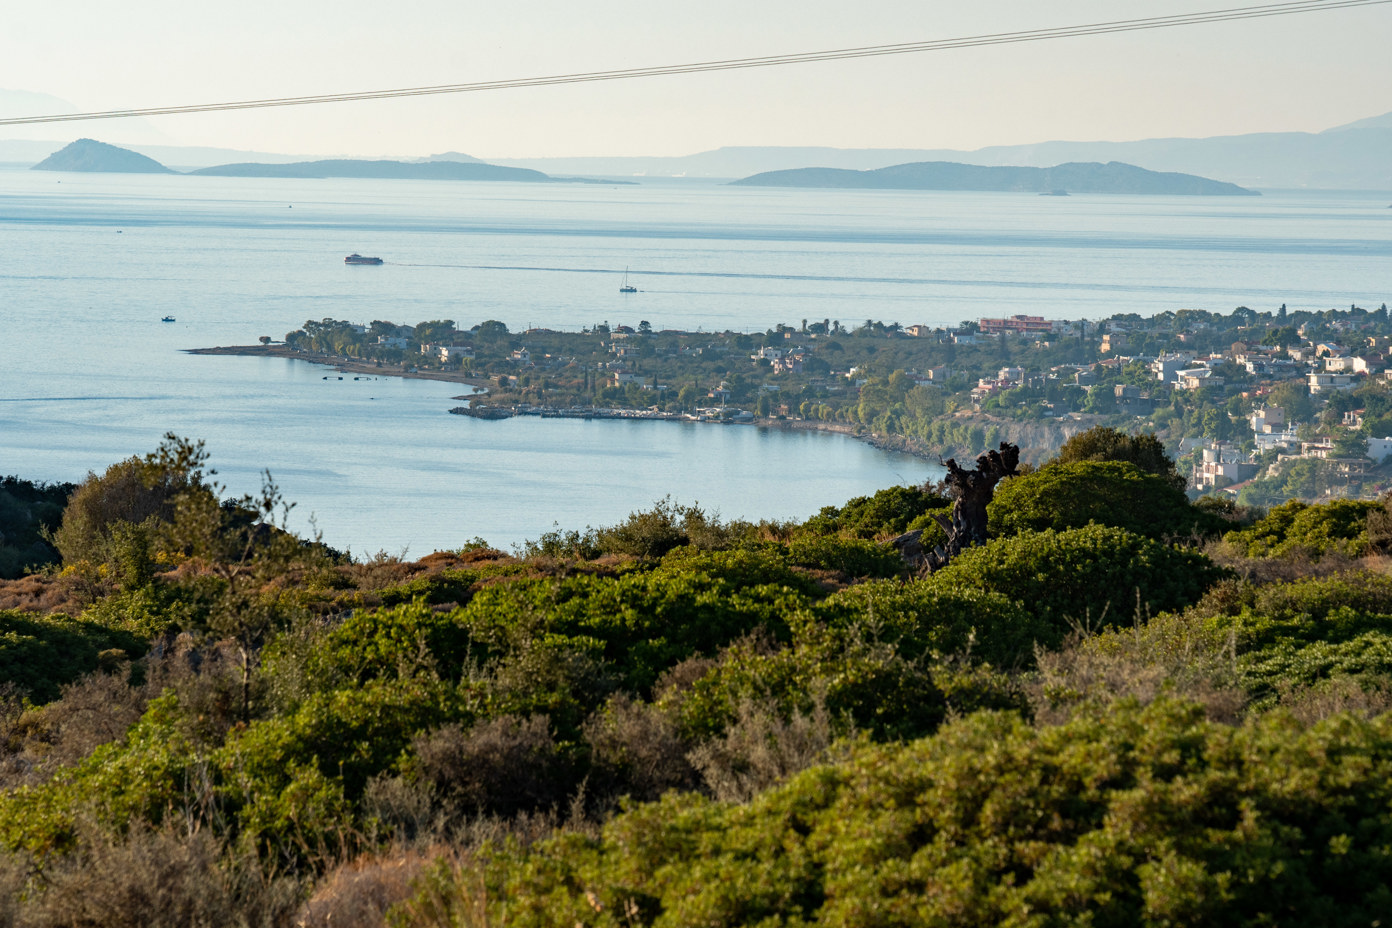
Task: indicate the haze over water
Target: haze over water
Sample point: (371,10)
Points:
(90,263)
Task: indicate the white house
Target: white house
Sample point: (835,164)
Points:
(450,353)
(1329,383)
(1379,448)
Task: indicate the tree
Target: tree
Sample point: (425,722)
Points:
(1103,443)
(134,494)
(1293,396)
(435,332)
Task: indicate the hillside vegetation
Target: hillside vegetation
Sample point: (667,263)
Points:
(1124,709)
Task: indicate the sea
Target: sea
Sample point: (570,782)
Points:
(91,263)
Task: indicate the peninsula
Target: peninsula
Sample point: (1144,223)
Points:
(1076,177)
(1301,401)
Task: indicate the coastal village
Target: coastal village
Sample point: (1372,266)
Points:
(1256,406)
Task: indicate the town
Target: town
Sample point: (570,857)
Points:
(1257,406)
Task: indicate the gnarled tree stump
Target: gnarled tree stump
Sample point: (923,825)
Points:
(970,491)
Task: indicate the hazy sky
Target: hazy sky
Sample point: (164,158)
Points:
(1305,72)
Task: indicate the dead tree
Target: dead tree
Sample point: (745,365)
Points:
(970,492)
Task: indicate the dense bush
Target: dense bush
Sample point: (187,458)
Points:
(1102,443)
(1063,496)
(41,653)
(1339,526)
(888,512)
(28,510)
(1143,817)
(1092,576)
(855,557)
(303,713)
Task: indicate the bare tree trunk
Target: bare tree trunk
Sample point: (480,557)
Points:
(971,491)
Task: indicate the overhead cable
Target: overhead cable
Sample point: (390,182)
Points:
(732,64)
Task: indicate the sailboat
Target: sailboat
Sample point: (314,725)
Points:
(627,287)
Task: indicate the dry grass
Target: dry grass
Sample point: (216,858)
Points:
(156,878)
(1330,697)
(763,748)
(635,751)
(504,765)
(358,894)
(1168,656)
(40,593)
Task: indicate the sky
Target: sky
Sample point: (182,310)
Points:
(1305,72)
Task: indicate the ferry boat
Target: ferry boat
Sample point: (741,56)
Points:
(167,319)
(359,259)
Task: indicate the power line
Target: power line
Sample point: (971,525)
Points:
(732,64)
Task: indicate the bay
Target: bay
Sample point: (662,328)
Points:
(90,263)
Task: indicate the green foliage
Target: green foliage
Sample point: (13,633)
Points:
(646,533)
(855,557)
(885,657)
(41,653)
(650,533)
(137,496)
(28,511)
(1143,817)
(1116,493)
(933,618)
(644,622)
(1090,575)
(1295,634)
(888,512)
(1102,443)
(1306,478)
(1339,526)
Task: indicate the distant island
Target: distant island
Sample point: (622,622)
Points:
(389,170)
(1075,177)
(88,155)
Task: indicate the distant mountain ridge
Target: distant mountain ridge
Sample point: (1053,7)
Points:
(1352,156)
(1076,177)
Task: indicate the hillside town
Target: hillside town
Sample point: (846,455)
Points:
(1258,406)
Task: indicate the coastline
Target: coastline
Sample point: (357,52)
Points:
(888,443)
(346,365)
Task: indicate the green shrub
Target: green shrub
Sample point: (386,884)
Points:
(1339,526)
(1064,496)
(888,512)
(40,653)
(854,557)
(1103,443)
(1143,817)
(885,657)
(1094,575)
(934,619)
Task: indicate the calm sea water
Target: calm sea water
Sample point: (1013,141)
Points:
(90,263)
